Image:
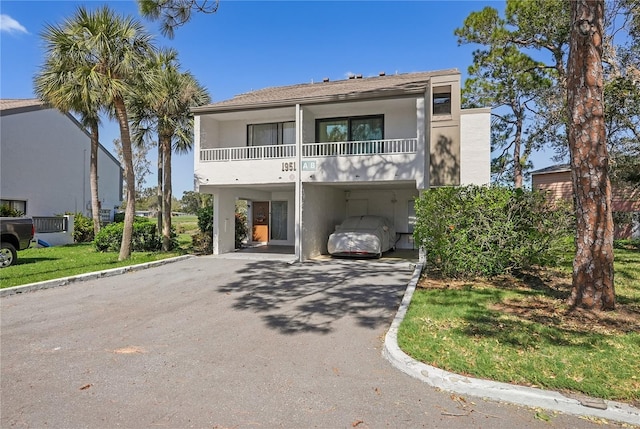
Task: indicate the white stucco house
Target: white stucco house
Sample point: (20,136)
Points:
(44,162)
(306,156)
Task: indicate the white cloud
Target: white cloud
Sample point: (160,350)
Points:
(10,25)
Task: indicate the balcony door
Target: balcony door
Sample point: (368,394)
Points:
(260,221)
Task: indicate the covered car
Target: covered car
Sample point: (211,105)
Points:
(362,236)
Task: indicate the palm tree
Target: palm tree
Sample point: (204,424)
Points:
(107,52)
(57,85)
(163,105)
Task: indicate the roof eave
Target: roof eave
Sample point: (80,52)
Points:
(324,99)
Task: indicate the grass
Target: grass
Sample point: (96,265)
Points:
(47,263)
(186,226)
(518,329)
(40,264)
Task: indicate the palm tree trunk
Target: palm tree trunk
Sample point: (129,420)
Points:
(593,264)
(93,178)
(166,220)
(127,155)
(160,189)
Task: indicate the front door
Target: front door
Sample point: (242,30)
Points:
(260,221)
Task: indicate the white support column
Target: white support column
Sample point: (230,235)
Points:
(422,180)
(298,192)
(216,223)
(196,151)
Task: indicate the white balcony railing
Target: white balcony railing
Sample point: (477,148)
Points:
(369,147)
(357,148)
(248,153)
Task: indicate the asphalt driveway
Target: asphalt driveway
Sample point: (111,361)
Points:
(225,343)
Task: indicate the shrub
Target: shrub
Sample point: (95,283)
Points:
(241,229)
(82,228)
(485,231)
(205,219)
(144,237)
(202,242)
(6,211)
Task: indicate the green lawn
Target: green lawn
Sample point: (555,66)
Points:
(519,330)
(39,264)
(46,263)
(185,227)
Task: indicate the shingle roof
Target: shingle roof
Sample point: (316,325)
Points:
(17,105)
(353,88)
(553,169)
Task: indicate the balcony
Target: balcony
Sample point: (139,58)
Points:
(315,150)
(375,160)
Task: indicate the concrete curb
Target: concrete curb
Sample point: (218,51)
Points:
(496,391)
(47,284)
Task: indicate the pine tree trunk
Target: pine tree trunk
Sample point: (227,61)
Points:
(129,174)
(593,285)
(517,161)
(93,178)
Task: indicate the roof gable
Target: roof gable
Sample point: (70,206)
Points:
(558,168)
(11,106)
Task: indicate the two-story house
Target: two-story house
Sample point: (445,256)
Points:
(44,160)
(306,156)
(555,182)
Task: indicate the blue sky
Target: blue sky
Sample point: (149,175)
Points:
(250,45)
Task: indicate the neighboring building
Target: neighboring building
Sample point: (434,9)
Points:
(44,162)
(306,156)
(556,182)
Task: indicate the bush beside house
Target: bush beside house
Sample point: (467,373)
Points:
(486,231)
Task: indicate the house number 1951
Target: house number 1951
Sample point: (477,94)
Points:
(288,166)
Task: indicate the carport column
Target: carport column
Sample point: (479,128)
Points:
(298,200)
(216,223)
(423,119)
(422,135)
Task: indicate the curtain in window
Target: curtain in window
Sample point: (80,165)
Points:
(289,133)
(278,220)
(263,134)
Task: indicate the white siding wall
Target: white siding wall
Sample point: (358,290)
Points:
(323,208)
(392,204)
(109,181)
(232,134)
(45,160)
(475,146)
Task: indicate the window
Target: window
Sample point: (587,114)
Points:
(442,101)
(360,128)
(271,134)
(278,220)
(17,205)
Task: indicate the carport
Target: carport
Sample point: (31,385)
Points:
(328,204)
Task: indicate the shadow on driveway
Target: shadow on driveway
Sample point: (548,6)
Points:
(311,297)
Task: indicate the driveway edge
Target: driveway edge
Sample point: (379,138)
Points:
(492,390)
(47,284)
